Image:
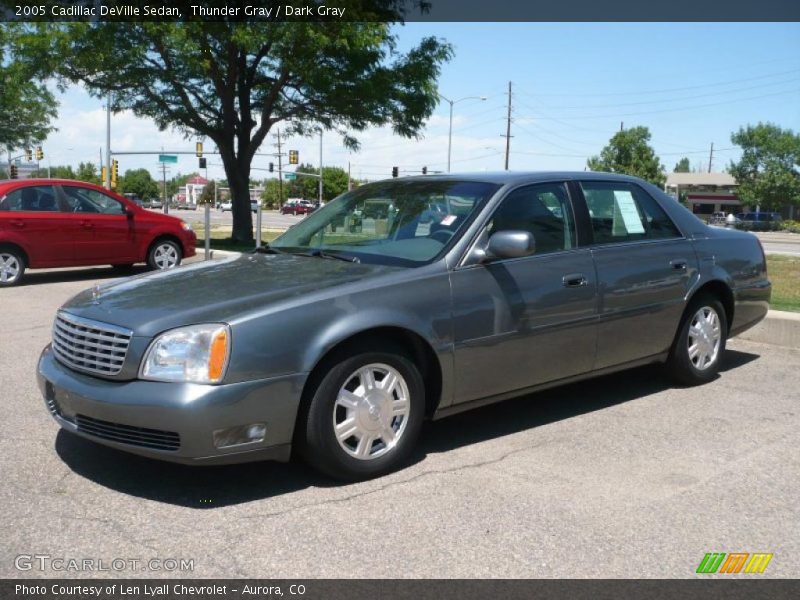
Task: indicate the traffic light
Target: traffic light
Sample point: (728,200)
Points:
(114,172)
(28,155)
(202,163)
(271,167)
(294,157)
(39,153)
(104,175)
(395,171)
(424,170)
(198,149)
(12,171)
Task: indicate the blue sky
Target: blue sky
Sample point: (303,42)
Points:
(691,84)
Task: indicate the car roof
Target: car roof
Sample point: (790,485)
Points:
(514,177)
(41,181)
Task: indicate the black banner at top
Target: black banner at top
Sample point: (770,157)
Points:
(255,11)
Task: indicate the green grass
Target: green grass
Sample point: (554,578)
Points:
(221,239)
(784,272)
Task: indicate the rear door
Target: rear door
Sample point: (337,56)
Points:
(644,266)
(32,217)
(105,233)
(526,321)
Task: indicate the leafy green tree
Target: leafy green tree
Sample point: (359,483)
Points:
(88,172)
(139,182)
(271,196)
(207,195)
(629,152)
(767,170)
(54,172)
(232,82)
(682,166)
(26,105)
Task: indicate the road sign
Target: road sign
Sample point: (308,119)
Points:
(289,176)
(167,158)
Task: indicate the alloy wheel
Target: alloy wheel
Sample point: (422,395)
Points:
(10,268)
(165,256)
(703,341)
(371,411)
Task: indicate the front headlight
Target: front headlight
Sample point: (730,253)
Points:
(186,226)
(196,354)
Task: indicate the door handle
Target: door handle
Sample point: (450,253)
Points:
(679,264)
(574,280)
(17,223)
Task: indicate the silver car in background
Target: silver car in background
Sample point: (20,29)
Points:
(402,300)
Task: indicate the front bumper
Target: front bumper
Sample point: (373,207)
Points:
(147,413)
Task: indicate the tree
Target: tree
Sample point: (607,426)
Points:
(271,196)
(767,170)
(56,172)
(682,166)
(26,105)
(88,172)
(207,195)
(629,152)
(232,82)
(139,182)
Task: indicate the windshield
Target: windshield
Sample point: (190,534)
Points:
(390,222)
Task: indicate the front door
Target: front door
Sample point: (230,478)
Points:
(105,233)
(645,266)
(526,321)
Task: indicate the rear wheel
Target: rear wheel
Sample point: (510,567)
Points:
(698,349)
(164,254)
(365,416)
(12,267)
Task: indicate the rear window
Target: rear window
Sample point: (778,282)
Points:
(41,198)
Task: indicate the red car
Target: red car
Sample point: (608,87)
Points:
(63,223)
(298,207)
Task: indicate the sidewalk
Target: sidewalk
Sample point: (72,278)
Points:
(779,328)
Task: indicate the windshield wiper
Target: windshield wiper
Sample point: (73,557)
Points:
(265,248)
(317,253)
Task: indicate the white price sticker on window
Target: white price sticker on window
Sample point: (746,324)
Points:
(625,209)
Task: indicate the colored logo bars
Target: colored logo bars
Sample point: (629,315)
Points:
(734,563)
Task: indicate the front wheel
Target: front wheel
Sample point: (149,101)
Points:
(164,254)
(12,268)
(365,416)
(700,344)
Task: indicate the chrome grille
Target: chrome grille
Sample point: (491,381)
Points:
(127,434)
(89,346)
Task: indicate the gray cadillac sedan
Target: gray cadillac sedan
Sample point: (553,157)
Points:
(402,300)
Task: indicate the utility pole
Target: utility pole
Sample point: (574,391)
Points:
(508,126)
(320,166)
(710,157)
(107,182)
(349,180)
(164,184)
(280,168)
(622,125)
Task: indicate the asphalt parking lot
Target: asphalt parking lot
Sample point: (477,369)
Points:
(623,476)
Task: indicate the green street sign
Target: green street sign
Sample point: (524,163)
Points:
(167,158)
(289,176)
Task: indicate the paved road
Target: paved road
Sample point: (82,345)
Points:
(625,476)
(780,243)
(272,219)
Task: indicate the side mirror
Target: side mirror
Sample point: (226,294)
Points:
(510,244)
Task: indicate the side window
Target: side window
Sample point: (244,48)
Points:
(40,198)
(83,200)
(623,212)
(542,209)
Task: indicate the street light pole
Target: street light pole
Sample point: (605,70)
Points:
(450,133)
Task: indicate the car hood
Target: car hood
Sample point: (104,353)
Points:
(214,291)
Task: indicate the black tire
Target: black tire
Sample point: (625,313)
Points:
(318,443)
(155,254)
(12,267)
(680,365)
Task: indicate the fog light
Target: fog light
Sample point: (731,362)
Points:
(242,434)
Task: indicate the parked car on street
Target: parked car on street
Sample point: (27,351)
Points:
(47,223)
(297,207)
(154,203)
(225,206)
(339,344)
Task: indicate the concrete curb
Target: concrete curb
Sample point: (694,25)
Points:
(779,328)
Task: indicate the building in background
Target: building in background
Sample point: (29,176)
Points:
(705,193)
